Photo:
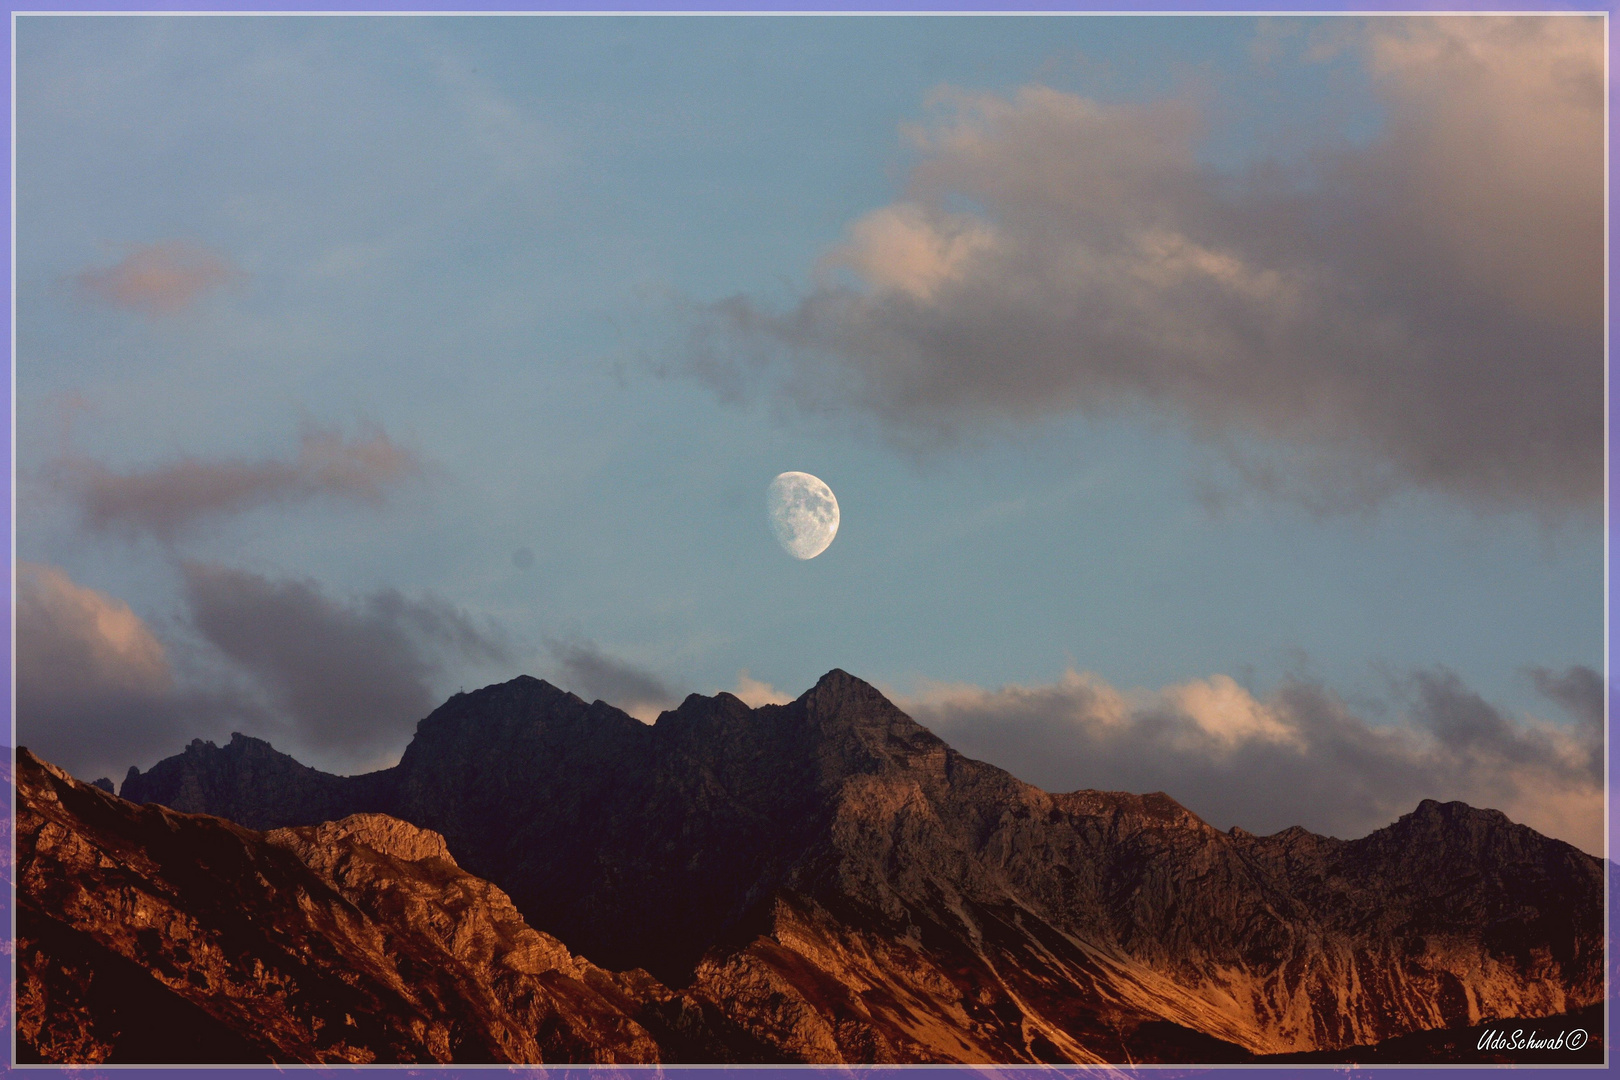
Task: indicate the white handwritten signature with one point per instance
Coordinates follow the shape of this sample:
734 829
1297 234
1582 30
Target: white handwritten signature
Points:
1570 1039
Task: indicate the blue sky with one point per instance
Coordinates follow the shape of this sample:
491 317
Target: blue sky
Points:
512 320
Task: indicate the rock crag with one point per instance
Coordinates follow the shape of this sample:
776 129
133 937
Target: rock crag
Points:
148 935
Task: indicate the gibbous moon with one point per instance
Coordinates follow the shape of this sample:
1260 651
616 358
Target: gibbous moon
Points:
804 514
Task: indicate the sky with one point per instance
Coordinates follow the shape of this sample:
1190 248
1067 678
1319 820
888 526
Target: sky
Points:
1214 405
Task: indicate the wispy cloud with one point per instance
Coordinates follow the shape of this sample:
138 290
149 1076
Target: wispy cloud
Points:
1300 756
164 278
1578 690
593 674
1424 311
168 499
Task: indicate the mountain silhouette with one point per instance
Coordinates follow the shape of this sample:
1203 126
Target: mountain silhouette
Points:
826 881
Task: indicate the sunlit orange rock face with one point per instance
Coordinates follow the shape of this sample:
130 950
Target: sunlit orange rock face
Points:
820 881
150 935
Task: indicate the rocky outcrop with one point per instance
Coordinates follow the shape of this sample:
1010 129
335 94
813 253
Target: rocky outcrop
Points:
404 876
148 935
840 884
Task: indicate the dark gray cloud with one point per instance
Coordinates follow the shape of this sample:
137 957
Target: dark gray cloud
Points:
1423 311
162 278
1298 757
593 674
349 677
1578 690
1463 721
96 689
165 500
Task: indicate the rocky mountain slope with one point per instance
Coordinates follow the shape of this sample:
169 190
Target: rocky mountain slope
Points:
840 884
146 935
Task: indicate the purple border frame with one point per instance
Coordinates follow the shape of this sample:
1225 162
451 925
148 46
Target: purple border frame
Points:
1611 521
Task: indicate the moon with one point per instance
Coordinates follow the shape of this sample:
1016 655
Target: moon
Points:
804 514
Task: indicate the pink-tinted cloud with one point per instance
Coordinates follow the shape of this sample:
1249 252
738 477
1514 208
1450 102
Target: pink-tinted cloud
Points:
165 500
340 677
1421 311
94 684
163 278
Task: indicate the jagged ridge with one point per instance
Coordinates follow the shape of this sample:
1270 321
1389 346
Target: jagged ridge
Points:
848 887
146 935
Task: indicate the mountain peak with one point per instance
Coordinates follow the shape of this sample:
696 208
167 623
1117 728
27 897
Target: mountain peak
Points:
502 712
839 692
709 847
839 680
1454 812
698 710
248 781
526 685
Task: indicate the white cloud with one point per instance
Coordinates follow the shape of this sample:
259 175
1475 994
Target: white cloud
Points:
754 693
1227 715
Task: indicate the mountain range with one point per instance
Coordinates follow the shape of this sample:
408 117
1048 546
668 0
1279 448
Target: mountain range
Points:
546 879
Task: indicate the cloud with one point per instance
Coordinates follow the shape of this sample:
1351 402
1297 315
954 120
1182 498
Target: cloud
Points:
169 499
1298 757
754 693
911 250
593 675
1424 311
349 677
1577 690
338 681
158 279
1462 720
95 687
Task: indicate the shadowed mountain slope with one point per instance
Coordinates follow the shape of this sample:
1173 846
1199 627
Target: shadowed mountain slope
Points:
845 886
